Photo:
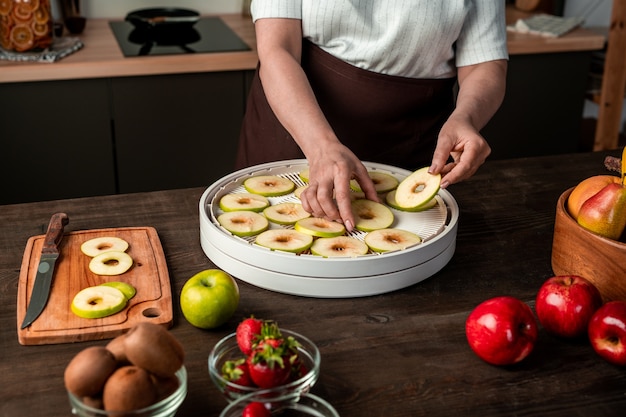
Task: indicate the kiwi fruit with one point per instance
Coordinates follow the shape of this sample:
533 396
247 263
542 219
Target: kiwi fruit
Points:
116 347
153 348
165 386
129 388
88 371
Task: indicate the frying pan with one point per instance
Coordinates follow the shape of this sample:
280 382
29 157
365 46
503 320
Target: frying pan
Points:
163 17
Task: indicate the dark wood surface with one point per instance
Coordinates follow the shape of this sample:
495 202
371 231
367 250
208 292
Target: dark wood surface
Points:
398 354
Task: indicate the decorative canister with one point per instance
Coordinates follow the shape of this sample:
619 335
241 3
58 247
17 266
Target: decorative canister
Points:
25 25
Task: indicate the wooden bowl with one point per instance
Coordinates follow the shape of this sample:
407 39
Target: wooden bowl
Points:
577 251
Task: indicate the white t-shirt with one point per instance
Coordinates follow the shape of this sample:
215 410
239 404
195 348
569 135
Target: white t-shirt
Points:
409 38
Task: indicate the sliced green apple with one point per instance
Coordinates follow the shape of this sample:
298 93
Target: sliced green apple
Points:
286 213
110 263
370 215
385 240
98 245
390 199
298 191
304 175
98 301
383 182
243 223
128 290
417 189
244 201
338 246
269 185
287 240
319 227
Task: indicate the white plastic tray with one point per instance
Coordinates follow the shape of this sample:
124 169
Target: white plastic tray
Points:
314 276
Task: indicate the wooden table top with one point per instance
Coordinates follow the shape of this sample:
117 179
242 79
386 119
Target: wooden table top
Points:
399 354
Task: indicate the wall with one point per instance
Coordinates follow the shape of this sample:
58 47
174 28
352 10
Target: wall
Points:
119 8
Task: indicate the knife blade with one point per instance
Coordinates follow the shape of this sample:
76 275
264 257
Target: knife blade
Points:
45 270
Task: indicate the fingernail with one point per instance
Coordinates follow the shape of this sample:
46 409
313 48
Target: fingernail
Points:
348 225
432 168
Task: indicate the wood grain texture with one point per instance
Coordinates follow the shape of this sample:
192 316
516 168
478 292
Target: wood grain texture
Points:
58 324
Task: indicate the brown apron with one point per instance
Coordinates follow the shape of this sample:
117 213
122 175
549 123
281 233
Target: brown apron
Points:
381 118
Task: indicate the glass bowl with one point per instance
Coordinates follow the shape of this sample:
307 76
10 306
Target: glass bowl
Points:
292 405
167 407
227 349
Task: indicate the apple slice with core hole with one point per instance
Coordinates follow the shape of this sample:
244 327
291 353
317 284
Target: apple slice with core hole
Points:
286 213
243 223
390 199
244 201
98 245
128 290
338 246
110 263
383 182
287 240
370 215
385 240
269 185
417 189
319 227
98 301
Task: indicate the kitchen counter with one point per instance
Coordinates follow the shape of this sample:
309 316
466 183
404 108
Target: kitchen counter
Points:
397 354
101 56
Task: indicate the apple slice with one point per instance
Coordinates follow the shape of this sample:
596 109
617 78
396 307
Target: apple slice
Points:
319 227
243 201
286 213
385 240
370 215
128 290
304 175
269 185
417 189
390 199
383 182
298 191
98 245
110 263
287 240
243 223
338 246
98 301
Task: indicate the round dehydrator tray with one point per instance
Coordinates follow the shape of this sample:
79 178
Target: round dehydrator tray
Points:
315 276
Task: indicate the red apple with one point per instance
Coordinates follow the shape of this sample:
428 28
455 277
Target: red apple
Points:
501 330
565 304
607 332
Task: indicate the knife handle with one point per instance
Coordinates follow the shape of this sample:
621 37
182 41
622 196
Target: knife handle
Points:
54 233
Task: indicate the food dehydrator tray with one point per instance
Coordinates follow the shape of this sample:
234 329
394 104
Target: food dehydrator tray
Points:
314 276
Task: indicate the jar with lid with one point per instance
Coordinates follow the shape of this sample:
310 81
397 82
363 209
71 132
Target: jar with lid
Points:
25 25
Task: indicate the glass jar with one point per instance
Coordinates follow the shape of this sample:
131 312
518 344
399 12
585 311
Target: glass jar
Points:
25 25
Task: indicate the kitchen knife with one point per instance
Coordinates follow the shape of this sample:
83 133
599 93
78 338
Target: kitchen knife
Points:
45 270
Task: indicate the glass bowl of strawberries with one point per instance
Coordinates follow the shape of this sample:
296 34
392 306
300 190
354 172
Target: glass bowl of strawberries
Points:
258 405
262 356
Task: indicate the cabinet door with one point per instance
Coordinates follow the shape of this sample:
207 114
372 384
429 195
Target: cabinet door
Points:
176 131
55 141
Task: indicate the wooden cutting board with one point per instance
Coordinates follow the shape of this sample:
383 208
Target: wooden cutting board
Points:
57 323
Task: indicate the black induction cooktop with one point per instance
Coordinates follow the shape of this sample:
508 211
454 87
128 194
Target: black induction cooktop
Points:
208 34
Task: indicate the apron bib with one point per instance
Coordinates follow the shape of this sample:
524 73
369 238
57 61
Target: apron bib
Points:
381 118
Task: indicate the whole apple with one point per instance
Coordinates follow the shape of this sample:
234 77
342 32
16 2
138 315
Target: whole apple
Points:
607 332
565 304
209 298
501 330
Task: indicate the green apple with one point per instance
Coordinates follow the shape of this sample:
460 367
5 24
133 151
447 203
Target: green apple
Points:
390 199
243 201
338 246
98 301
370 215
269 185
286 213
298 191
383 182
110 263
128 290
209 298
243 223
319 227
385 240
287 240
98 245
417 189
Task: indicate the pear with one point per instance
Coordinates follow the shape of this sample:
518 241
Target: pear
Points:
605 212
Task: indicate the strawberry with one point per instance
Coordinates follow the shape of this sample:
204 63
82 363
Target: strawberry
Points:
272 358
247 332
237 372
256 409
